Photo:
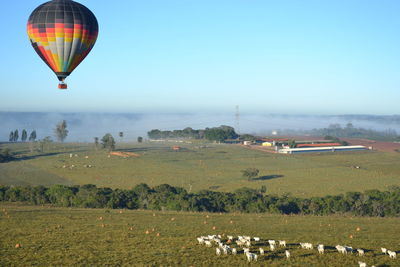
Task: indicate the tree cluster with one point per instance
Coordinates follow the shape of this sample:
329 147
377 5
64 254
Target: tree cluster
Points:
185 133
166 197
218 134
14 136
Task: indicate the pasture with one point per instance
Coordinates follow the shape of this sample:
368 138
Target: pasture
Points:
90 237
202 166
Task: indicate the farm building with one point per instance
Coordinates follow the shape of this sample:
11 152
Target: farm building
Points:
267 144
321 149
317 145
272 141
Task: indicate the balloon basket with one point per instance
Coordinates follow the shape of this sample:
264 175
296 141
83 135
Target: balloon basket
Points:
62 86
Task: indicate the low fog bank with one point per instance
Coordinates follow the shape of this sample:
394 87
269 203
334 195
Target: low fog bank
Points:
83 127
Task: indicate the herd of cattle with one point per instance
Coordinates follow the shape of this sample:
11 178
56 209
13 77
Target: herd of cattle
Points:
244 245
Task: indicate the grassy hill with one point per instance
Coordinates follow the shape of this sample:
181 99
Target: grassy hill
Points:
202 166
92 237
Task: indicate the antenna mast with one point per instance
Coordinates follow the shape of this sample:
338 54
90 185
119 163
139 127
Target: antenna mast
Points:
237 117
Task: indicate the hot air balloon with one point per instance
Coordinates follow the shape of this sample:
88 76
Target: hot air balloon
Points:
62 32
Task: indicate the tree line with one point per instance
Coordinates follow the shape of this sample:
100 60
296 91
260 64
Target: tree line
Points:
219 134
14 136
246 200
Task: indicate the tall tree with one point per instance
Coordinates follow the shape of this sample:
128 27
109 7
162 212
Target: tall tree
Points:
96 142
16 136
61 131
250 173
121 135
11 137
108 142
32 136
24 135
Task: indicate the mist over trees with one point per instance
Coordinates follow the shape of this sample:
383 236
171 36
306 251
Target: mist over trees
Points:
336 130
108 142
32 136
61 131
15 136
24 135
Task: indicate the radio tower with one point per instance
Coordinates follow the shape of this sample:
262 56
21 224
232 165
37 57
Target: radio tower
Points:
237 117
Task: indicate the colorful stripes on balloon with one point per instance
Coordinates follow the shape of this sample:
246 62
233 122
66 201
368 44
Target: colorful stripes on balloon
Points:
62 32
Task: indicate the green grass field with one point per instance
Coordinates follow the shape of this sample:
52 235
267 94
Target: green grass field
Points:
203 166
92 237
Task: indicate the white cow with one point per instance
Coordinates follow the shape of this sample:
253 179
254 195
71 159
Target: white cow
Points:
362 264
239 243
272 247
349 249
226 250
217 251
208 243
287 253
272 242
384 250
360 252
261 251
234 251
257 239
306 245
251 257
282 243
321 249
392 254
341 249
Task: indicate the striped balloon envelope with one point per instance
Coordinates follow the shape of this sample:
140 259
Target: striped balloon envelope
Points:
62 32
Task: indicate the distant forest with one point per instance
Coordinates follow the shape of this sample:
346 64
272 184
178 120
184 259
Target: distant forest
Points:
352 132
246 200
347 131
223 132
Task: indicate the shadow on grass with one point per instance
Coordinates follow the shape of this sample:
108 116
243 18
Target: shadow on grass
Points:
273 256
267 177
306 255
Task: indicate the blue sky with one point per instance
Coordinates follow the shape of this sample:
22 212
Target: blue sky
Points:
308 57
